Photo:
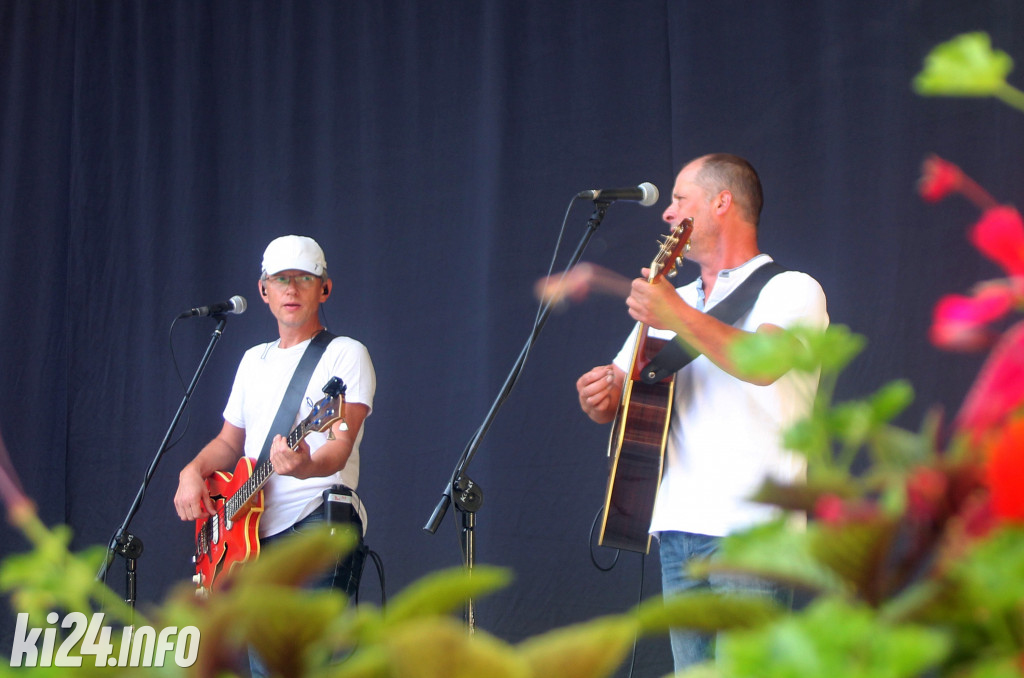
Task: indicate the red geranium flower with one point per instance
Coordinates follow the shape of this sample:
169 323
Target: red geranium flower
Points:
1004 472
960 323
829 509
999 389
939 178
999 235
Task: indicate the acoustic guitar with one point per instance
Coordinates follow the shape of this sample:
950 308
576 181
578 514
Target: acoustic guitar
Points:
636 448
230 536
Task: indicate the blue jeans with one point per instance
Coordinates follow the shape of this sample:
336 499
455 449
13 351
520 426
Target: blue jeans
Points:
344 577
678 550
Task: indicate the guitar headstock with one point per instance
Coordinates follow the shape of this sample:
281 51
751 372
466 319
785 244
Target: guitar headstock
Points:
325 412
671 250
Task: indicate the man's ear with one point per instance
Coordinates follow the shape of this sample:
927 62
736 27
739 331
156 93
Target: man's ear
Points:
722 202
326 291
262 284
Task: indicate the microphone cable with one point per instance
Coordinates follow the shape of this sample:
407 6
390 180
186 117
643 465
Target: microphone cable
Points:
609 568
170 444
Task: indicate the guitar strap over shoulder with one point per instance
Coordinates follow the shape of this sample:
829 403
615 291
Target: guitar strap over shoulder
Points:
674 356
296 387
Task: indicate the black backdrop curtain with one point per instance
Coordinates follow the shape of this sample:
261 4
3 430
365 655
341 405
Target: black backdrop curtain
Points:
150 150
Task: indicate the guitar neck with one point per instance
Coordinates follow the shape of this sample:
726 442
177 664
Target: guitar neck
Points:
639 350
663 266
324 413
260 475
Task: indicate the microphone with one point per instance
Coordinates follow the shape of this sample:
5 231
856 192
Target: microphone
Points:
646 194
235 304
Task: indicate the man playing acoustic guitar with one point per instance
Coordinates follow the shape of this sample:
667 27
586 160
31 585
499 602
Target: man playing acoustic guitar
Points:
724 427
293 284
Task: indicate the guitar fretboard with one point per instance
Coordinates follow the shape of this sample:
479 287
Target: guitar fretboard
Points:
319 419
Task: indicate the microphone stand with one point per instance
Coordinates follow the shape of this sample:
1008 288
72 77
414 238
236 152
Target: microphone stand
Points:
468 496
123 542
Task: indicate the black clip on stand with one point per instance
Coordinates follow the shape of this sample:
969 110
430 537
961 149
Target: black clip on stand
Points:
125 543
468 496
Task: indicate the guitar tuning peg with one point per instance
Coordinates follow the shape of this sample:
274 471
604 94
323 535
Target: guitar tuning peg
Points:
679 260
671 274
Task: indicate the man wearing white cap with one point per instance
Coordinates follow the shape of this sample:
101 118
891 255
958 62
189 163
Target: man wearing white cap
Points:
293 284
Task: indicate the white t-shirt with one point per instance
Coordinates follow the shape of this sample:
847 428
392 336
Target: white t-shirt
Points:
260 382
725 434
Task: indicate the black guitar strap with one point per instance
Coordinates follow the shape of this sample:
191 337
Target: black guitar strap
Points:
296 387
675 356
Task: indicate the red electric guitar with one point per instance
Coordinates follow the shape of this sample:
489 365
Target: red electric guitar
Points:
639 432
230 536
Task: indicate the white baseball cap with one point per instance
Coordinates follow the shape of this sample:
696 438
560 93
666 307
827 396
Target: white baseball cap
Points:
294 252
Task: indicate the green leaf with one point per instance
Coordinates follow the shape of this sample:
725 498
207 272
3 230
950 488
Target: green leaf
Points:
977 598
804 496
891 400
856 551
706 611
263 604
442 592
52 577
777 551
589 650
706 670
288 625
1004 667
856 421
992 571
894 448
766 352
834 348
434 648
965 66
800 348
832 638
853 423
298 558
810 437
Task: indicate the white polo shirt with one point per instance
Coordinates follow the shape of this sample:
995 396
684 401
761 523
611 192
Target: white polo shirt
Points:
725 434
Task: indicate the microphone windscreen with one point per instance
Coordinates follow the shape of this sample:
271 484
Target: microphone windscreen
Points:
650 192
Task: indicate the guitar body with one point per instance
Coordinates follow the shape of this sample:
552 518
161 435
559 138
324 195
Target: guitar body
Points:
222 542
637 457
640 430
